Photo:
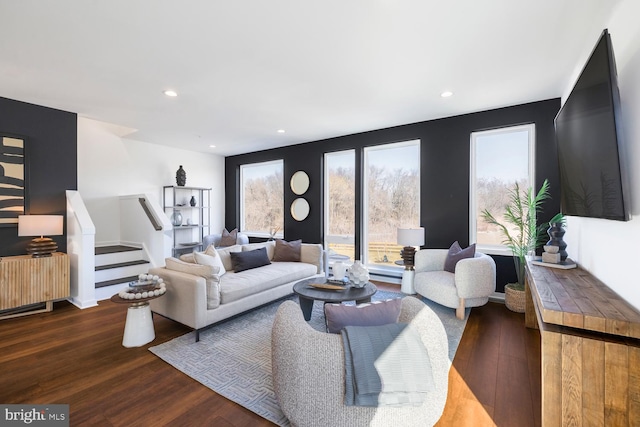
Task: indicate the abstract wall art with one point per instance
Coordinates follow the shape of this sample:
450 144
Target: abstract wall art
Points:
12 179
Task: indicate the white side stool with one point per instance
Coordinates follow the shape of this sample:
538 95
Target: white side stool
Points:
138 328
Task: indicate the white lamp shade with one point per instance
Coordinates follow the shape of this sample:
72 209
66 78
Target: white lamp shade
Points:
40 225
411 236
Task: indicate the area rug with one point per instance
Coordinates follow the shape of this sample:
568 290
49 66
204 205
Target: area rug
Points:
234 358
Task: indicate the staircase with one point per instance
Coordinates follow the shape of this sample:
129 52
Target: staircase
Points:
116 266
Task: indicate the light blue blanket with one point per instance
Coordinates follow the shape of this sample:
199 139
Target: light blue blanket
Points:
385 366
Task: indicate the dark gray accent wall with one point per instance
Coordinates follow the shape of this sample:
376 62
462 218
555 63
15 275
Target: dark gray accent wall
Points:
52 157
444 188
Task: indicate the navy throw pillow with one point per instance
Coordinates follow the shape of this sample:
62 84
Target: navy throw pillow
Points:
250 259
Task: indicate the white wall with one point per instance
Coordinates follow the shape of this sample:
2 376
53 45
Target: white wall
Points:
611 249
110 166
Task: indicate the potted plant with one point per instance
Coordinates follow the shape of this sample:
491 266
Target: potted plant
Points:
522 235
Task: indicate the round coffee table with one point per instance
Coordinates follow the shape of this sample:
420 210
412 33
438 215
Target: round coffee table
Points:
308 294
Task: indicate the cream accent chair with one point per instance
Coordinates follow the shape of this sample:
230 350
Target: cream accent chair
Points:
308 372
470 286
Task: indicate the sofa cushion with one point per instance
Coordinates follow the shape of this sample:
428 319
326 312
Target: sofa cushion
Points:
234 286
270 245
213 260
208 272
225 255
455 254
242 261
190 258
376 313
287 251
229 238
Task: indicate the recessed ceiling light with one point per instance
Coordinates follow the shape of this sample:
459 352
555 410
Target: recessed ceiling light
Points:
446 94
280 130
212 146
171 93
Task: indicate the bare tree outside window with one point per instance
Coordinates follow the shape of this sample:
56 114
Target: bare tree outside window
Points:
262 198
340 202
499 159
392 198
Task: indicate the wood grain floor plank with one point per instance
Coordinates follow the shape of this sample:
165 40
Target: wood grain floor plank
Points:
76 357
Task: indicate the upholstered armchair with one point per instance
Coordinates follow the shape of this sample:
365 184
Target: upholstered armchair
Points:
308 372
470 286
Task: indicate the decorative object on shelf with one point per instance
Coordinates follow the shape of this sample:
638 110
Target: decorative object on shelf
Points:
556 232
193 201
521 212
40 225
409 238
181 177
300 209
176 218
358 275
147 286
299 183
551 254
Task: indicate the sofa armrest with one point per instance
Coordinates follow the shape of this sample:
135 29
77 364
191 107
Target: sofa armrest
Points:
430 259
185 300
476 277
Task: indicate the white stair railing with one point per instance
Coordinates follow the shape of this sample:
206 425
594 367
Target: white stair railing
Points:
81 250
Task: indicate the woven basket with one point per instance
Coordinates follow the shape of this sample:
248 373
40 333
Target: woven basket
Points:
514 299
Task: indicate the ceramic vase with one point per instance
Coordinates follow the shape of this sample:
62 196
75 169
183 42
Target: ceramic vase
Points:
193 202
181 177
176 218
358 275
556 232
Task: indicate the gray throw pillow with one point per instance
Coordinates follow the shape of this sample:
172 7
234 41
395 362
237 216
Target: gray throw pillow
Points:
251 259
375 313
456 253
287 251
229 238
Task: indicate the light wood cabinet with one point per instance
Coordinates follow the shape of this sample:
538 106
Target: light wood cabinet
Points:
25 280
590 343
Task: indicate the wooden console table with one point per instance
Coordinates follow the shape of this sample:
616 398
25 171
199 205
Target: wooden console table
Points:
25 280
590 340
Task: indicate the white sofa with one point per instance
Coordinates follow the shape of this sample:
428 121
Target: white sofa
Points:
471 285
199 302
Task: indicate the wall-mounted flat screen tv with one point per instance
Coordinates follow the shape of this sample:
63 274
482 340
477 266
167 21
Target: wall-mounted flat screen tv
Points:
588 133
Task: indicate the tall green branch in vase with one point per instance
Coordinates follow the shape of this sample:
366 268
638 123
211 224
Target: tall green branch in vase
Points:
524 235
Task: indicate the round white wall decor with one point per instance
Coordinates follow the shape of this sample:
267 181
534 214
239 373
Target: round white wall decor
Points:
300 182
299 209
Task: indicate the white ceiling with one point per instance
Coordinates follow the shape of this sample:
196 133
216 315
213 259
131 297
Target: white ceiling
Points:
318 69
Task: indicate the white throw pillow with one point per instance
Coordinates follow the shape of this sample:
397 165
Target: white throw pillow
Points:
226 258
212 260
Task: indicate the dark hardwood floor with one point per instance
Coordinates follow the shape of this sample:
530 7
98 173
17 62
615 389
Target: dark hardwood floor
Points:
75 357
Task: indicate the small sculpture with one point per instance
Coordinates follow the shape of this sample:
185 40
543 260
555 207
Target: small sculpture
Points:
358 275
181 177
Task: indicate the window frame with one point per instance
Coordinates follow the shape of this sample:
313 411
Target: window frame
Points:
364 238
254 233
327 237
530 127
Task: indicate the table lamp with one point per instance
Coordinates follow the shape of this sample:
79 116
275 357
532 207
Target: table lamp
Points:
409 238
40 225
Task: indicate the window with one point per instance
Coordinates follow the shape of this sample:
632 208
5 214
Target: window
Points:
499 159
340 202
262 199
391 194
